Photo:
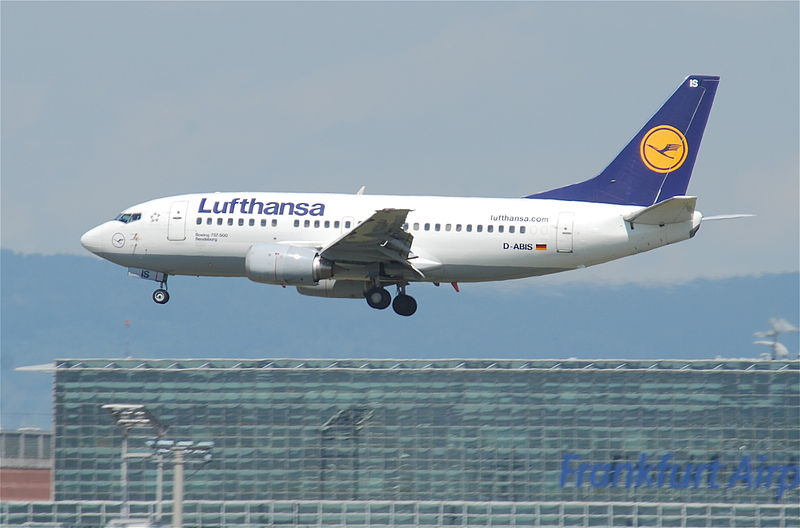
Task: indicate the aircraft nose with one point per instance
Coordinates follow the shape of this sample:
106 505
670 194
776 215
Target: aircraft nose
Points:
91 240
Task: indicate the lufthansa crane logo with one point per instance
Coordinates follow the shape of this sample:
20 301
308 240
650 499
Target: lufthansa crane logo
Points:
118 240
663 149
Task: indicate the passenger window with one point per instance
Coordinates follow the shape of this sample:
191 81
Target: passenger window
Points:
327 224
263 222
438 227
219 221
458 227
489 228
199 221
241 221
522 230
510 229
316 223
499 229
297 223
230 221
405 227
478 228
251 222
427 227
336 224
447 227
469 228
347 225
274 222
208 221
416 226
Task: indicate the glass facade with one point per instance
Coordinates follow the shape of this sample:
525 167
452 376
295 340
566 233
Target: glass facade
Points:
685 432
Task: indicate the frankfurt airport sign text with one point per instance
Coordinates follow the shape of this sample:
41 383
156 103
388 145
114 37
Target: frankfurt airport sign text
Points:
664 472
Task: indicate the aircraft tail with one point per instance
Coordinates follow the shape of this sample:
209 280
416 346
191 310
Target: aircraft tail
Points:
657 164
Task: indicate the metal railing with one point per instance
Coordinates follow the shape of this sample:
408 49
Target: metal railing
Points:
238 514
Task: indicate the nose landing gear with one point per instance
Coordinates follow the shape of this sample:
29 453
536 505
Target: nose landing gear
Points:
161 295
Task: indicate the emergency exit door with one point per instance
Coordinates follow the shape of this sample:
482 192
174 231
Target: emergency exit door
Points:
564 238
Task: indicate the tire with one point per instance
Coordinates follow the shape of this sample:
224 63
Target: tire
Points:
404 305
161 296
378 298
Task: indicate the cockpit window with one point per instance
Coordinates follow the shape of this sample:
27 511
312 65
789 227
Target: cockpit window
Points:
127 218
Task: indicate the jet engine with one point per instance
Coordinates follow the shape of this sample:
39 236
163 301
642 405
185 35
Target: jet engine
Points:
339 289
286 265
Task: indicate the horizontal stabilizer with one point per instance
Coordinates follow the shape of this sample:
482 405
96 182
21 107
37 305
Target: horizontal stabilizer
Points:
672 211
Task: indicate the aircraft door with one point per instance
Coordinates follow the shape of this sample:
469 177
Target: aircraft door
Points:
176 228
564 237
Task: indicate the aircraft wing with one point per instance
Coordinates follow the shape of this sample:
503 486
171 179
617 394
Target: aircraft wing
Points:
379 238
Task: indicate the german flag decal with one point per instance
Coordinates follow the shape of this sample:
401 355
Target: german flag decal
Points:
541 247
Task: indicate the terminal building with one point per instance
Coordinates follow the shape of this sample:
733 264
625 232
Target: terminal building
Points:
26 462
435 442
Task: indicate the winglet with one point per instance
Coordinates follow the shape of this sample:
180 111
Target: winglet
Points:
361 190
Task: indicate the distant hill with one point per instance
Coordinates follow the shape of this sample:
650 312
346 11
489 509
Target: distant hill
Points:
70 306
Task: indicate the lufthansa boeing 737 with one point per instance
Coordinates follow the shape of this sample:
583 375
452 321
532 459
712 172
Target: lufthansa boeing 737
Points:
356 245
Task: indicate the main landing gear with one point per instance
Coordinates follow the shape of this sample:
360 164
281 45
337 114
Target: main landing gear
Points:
161 295
379 298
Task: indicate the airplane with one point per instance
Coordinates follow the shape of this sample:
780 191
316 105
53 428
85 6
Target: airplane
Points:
358 245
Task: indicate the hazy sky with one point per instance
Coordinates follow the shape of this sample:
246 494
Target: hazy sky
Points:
108 104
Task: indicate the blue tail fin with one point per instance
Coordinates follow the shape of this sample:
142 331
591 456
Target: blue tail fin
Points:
657 163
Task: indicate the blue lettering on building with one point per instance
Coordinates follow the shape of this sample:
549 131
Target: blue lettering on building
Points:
664 471
253 206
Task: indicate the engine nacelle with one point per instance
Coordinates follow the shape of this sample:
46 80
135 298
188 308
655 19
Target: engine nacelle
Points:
339 289
285 265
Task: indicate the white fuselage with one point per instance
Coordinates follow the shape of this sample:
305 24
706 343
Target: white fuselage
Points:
454 239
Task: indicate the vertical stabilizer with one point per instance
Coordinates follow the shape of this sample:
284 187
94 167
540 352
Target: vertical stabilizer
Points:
657 163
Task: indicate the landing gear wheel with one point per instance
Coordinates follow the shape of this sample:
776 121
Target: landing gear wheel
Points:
378 298
404 305
161 296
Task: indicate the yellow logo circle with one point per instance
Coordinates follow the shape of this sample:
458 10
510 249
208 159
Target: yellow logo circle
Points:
663 149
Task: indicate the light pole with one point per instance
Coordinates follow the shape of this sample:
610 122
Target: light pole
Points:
177 488
182 452
129 416
159 447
